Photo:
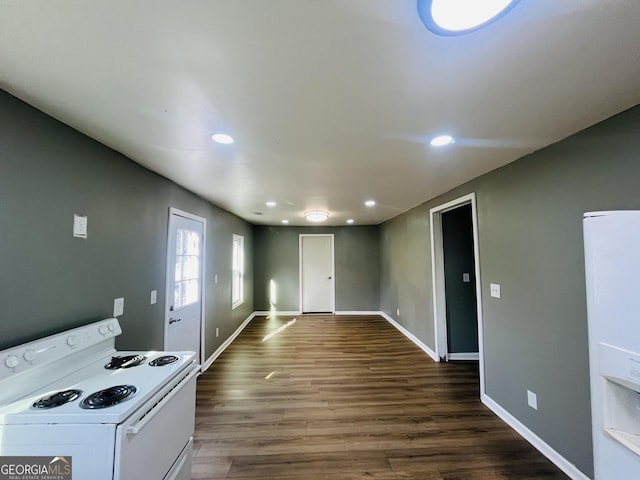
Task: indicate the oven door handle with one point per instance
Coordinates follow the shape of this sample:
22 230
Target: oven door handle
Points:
137 428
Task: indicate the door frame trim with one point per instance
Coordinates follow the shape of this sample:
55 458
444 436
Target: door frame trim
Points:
437 279
333 268
181 213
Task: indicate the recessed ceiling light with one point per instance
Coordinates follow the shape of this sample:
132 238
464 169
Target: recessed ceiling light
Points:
370 203
222 138
316 216
350 221
285 221
457 17
442 141
270 204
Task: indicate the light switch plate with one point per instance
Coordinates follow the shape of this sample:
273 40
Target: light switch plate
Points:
154 297
495 290
532 400
118 307
80 226
466 278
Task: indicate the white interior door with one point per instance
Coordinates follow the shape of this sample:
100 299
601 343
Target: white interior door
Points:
317 292
185 271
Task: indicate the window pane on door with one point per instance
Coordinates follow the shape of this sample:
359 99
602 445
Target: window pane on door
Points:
187 268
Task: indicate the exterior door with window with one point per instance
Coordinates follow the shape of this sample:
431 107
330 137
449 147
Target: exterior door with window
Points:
185 271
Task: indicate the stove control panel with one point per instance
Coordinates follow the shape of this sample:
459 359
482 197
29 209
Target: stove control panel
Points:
56 347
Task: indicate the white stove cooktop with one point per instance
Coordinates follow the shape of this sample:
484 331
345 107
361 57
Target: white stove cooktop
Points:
93 378
76 360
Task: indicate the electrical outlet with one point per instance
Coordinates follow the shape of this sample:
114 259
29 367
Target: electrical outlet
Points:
217 332
532 400
118 307
495 290
154 297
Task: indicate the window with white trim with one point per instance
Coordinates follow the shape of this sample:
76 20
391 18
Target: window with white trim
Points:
237 271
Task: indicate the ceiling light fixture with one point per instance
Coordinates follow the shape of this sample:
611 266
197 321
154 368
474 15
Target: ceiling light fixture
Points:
370 203
350 221
442 141
222 138
316 216
457 17
270 204
285 222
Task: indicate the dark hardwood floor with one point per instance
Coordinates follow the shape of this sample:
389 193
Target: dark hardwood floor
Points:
348 397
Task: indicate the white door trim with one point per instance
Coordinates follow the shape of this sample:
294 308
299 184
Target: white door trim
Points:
174 211
437 278
333 272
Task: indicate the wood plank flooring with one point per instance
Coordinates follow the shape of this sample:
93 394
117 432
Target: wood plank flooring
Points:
344 398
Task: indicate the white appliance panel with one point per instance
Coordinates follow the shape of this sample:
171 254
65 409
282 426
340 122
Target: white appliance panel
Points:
161 427
91 447
181 469
612 267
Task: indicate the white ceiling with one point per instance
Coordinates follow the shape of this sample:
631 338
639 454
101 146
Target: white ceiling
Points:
331 102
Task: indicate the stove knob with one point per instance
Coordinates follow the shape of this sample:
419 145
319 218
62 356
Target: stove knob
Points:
72 340
103 330
29 355
112 327
12 361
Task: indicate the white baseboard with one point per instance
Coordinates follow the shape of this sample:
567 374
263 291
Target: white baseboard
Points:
464 356
410 336
206 365
266 313
562 463
356 312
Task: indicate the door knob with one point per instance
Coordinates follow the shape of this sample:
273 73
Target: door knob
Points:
174 320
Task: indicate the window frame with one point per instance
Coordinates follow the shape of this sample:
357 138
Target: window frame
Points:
237 271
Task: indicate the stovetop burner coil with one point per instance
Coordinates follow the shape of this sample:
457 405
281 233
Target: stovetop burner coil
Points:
126 361
57 399
108 397
163 360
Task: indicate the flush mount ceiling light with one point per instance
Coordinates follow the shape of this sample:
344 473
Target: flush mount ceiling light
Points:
457 17
350 221
222 138
284 222
370 203
441 140
270 204
316 216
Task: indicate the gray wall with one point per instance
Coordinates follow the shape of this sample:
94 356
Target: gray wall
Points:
530 240
357 266
50 281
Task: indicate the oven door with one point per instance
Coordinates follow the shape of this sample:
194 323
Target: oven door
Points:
151 441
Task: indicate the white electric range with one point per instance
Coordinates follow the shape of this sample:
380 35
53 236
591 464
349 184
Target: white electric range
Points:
113 415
